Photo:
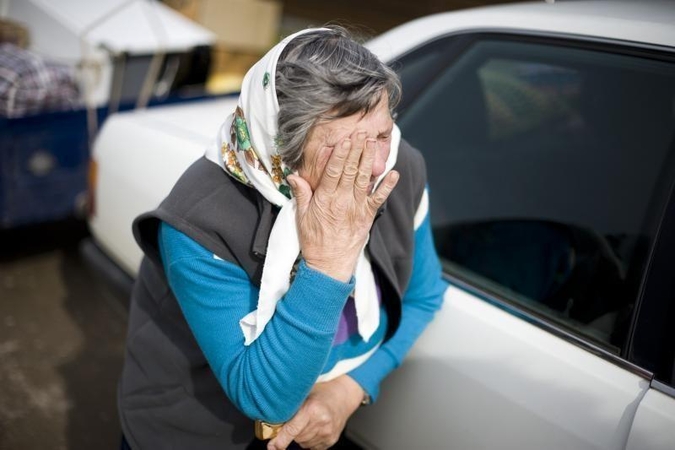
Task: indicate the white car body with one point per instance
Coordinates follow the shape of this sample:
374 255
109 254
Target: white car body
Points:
481 376
139 156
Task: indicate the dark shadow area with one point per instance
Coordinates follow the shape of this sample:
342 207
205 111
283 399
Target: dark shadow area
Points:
91 375
31 240
62 334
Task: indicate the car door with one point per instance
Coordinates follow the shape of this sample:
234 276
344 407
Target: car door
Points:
547 164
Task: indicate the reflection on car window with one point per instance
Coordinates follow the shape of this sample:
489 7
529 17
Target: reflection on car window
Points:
522 96
548 169
418 68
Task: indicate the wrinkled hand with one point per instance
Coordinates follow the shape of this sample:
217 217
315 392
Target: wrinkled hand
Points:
322 417
335 219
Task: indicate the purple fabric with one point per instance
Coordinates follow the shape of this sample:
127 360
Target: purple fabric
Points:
348 325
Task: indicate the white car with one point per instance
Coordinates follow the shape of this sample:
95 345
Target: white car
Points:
549 135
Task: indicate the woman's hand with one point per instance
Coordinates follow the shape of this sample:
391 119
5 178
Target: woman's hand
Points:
335 219
322 417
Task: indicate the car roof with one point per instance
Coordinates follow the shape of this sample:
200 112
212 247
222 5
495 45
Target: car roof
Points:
646 22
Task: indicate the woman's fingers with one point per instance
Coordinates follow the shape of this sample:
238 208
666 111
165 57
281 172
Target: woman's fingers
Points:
352 163
362 182
350 166
302 192
377 199
333 171
289 431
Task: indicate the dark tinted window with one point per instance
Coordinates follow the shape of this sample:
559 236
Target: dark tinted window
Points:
547 169
420 67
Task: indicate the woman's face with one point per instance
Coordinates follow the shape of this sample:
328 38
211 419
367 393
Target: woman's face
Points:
323 138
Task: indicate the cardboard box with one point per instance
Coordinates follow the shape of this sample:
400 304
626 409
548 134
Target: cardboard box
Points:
225 60
250 26
188 8
228 69
13 32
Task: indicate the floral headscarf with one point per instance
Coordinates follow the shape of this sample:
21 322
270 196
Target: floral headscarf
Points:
246 149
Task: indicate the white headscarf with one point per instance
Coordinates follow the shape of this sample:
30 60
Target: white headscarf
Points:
246 149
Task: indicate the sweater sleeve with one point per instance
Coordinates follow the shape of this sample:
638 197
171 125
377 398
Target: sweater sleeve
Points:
420 302
270 378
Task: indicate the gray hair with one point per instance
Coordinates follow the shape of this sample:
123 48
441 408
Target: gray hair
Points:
325 75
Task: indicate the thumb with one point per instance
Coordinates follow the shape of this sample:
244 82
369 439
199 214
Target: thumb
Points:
289 431
302 192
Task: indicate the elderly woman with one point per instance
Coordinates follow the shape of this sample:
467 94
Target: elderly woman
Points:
290 269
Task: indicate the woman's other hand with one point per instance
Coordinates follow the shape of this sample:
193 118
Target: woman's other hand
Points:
334 220
322 417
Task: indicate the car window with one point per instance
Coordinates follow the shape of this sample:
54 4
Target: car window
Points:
546 172
418 68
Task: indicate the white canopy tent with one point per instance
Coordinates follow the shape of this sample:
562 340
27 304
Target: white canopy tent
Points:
88 35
